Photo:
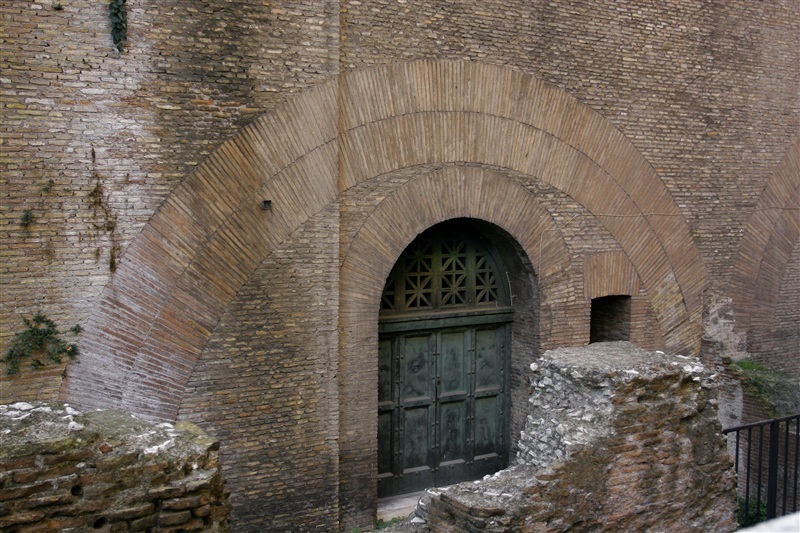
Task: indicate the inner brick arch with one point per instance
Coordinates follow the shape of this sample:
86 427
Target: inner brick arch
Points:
156 316
475 193
448 193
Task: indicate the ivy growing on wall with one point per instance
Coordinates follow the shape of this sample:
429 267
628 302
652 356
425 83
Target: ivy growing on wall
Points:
119 23
40 339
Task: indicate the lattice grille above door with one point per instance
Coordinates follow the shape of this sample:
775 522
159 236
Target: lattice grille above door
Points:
438 272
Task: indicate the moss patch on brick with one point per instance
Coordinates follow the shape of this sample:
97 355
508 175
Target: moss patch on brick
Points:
777 390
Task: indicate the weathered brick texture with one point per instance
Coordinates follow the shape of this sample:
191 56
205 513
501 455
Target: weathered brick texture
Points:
265 383
93 141
690 83
61 469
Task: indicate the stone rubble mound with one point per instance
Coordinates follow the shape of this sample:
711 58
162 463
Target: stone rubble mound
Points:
616 439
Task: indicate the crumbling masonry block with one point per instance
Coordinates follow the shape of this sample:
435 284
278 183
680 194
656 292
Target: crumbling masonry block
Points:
616 439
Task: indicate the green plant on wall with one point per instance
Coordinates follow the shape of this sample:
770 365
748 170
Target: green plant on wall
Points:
40 339
752 514
26 220
119 23
382 524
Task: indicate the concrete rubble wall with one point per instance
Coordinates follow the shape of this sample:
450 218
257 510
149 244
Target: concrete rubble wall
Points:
61 469
617 439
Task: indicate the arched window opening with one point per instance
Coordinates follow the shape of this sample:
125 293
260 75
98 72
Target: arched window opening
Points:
611 319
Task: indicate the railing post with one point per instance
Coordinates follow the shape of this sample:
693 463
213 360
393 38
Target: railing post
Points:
772 469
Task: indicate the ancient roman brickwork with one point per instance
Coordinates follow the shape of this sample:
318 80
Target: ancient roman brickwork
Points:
685 111
63 470
613 147
94 140
765 267
781 346
678 80
259 396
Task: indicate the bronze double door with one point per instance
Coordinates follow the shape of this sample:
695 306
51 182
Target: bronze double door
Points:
442 402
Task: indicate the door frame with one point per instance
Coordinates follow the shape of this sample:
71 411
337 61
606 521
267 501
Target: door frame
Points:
414 305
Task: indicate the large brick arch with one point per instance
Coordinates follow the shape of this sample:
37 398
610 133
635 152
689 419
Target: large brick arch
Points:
175 281
769 240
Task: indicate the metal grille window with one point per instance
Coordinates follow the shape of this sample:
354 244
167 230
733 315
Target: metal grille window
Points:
439 273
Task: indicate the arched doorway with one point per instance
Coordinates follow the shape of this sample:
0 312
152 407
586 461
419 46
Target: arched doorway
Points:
443 364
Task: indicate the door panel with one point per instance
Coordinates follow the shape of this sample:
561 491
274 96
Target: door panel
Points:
384 444
442 406
489 437
490 402
416 438
453 371
487 429
385 371
387 422
416 378
453 364
414 454
452 432
488 377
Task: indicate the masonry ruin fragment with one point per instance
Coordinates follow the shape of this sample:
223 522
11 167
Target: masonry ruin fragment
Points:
616 439
65 470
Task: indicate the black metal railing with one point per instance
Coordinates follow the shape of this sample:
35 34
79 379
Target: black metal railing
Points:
766 461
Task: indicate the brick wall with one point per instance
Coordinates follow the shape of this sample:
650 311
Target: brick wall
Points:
691 84
644 131
766 265
115 133
782 347
265 387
